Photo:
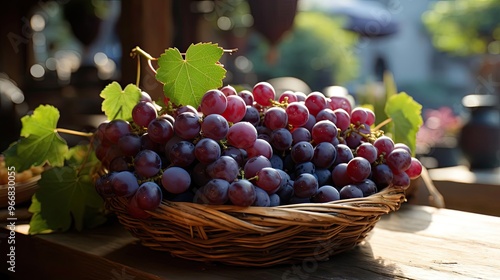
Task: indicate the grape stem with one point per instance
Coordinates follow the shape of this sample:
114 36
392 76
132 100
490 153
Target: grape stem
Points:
380 125
74 132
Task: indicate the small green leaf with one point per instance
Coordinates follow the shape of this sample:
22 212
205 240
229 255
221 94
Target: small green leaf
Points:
187 79
64 198
406 116
118 103
40 143
38 225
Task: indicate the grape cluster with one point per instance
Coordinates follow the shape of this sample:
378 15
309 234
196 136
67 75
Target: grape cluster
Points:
248 149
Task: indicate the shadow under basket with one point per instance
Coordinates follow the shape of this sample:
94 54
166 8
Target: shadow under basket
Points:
258 236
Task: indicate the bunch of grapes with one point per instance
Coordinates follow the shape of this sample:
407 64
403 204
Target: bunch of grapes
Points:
248 149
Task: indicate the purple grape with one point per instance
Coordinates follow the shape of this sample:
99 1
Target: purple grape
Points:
305 185
242 193
124 183
148 196
326 194
175 180
147 163
225 168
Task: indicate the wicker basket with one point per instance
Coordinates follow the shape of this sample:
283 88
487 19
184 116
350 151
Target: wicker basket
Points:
258 236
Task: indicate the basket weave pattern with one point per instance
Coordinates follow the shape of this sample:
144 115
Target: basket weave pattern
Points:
258 236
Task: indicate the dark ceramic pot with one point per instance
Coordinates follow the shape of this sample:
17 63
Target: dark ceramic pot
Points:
480 136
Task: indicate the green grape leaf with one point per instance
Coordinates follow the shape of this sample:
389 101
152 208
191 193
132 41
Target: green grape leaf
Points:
63 200
187 79
39 143
406 116
37 223
118 103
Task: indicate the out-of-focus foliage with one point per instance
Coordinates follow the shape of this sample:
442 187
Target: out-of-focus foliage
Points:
317 51
465 27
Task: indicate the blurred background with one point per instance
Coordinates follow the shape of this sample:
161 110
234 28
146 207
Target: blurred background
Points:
445 54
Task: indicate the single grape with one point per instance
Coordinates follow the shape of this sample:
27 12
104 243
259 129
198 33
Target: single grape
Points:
370 119
315 102
143 113
213 102
274 200
368 187
326 194
281 139
160 130
402 146
247 96
300 134
326 114
252 116
324 131
242 193
264 93
235 110
215 192
324 176
382 175
215 127
384 145
289 96
302 152
268 179
344 154
368 151
286 192
261 198
225 168
175 180
242 135
350 191
187 125
228 90
343 119
297 113
415 169
300 96
185 109
358 169
324 155
207 150
358 116
104 187
182 154
401 180
147 163
275 118
305 185
276 162
260 147
148 196
398 160
124 183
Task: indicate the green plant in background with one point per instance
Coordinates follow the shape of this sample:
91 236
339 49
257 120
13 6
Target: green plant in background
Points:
317 51
465 27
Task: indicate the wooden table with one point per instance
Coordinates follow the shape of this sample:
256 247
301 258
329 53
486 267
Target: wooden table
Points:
416 242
